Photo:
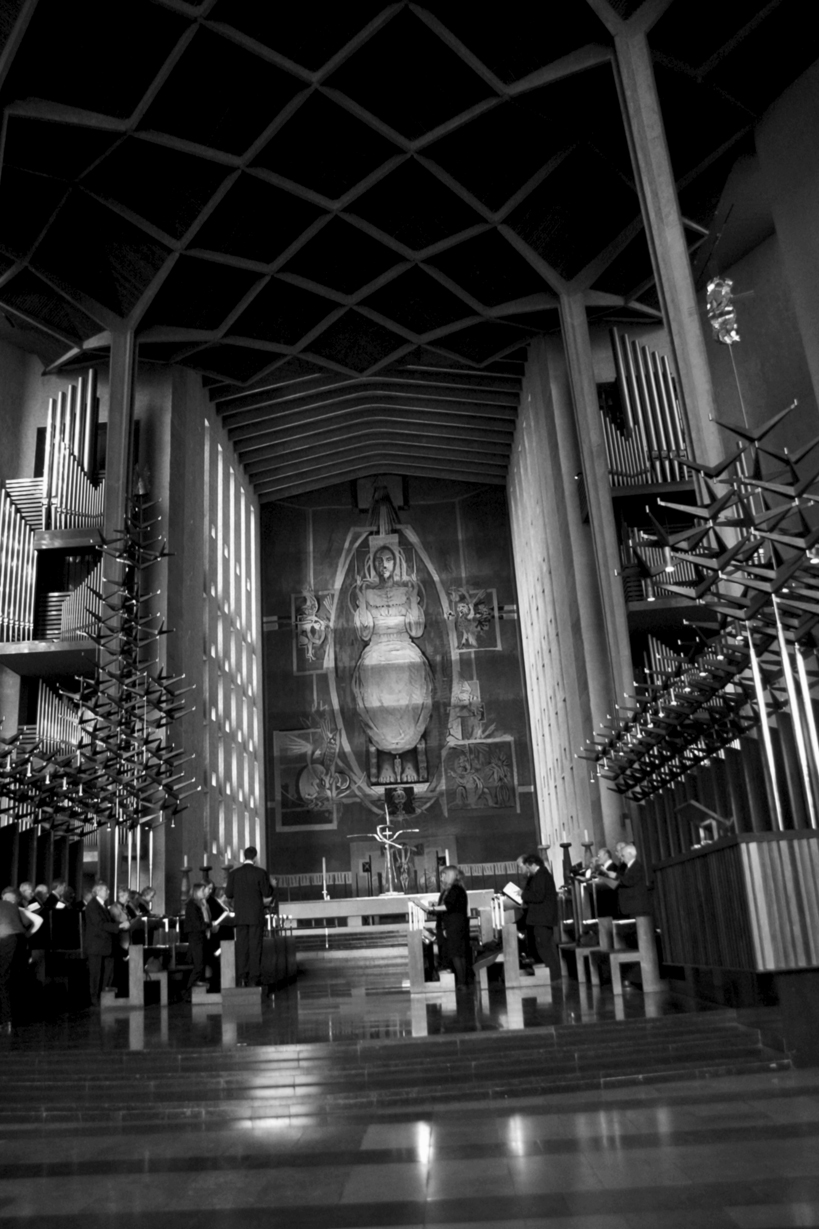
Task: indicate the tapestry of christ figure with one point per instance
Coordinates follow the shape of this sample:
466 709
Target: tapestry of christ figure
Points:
392 681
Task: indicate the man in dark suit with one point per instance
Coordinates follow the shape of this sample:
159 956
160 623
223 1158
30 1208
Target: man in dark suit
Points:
100 929
539 895
633 894
248 889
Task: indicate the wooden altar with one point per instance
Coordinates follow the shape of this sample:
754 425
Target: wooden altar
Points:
352 910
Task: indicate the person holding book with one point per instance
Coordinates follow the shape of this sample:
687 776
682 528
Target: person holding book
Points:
539 895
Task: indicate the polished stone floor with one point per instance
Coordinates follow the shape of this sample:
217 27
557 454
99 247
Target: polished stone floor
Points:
739 1151
346 1001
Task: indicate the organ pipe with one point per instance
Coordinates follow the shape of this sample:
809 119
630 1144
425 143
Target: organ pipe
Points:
16 573
58 728
71 498
83 608
91 412
649 447
67 497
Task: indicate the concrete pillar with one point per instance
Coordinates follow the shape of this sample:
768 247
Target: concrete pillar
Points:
532 473
787 142
573 609
571 679
117 488
598 493
118 459
666 240
601 602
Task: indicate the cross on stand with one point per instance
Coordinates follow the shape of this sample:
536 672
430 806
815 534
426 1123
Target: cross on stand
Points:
387 837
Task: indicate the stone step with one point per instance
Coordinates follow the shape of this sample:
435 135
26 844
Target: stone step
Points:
402 1056
197 1113
307 1069
198 1086
217 1083
283 1088
591 1035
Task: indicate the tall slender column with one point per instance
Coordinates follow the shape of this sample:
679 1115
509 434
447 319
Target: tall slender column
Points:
786 142
118 460
666 239
598 493
574 603
118 467
738 803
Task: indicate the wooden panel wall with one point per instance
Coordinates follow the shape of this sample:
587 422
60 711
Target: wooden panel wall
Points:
746 903
783 890
703 909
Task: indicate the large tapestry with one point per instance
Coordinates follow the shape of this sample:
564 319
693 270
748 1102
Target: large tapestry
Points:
387 629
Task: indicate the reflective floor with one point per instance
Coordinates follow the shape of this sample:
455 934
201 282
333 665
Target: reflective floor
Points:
347 1002
738 1150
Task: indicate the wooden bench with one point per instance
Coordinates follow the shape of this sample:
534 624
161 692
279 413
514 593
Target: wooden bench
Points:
137 979
587 969
645 956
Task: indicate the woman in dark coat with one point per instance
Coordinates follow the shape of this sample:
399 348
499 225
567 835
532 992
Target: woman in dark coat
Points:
220 928
452 915
197 930
122 911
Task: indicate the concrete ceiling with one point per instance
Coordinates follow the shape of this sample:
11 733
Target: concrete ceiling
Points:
353 218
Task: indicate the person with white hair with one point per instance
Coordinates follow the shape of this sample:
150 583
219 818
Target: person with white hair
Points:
633 893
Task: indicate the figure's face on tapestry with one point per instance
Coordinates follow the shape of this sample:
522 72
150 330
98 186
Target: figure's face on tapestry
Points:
384 564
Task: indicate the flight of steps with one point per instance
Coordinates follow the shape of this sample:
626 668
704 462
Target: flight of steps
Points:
348 940
200 1088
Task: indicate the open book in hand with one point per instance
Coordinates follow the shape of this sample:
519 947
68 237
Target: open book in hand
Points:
513 892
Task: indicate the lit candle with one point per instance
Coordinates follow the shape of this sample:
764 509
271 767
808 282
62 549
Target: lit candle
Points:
446 855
